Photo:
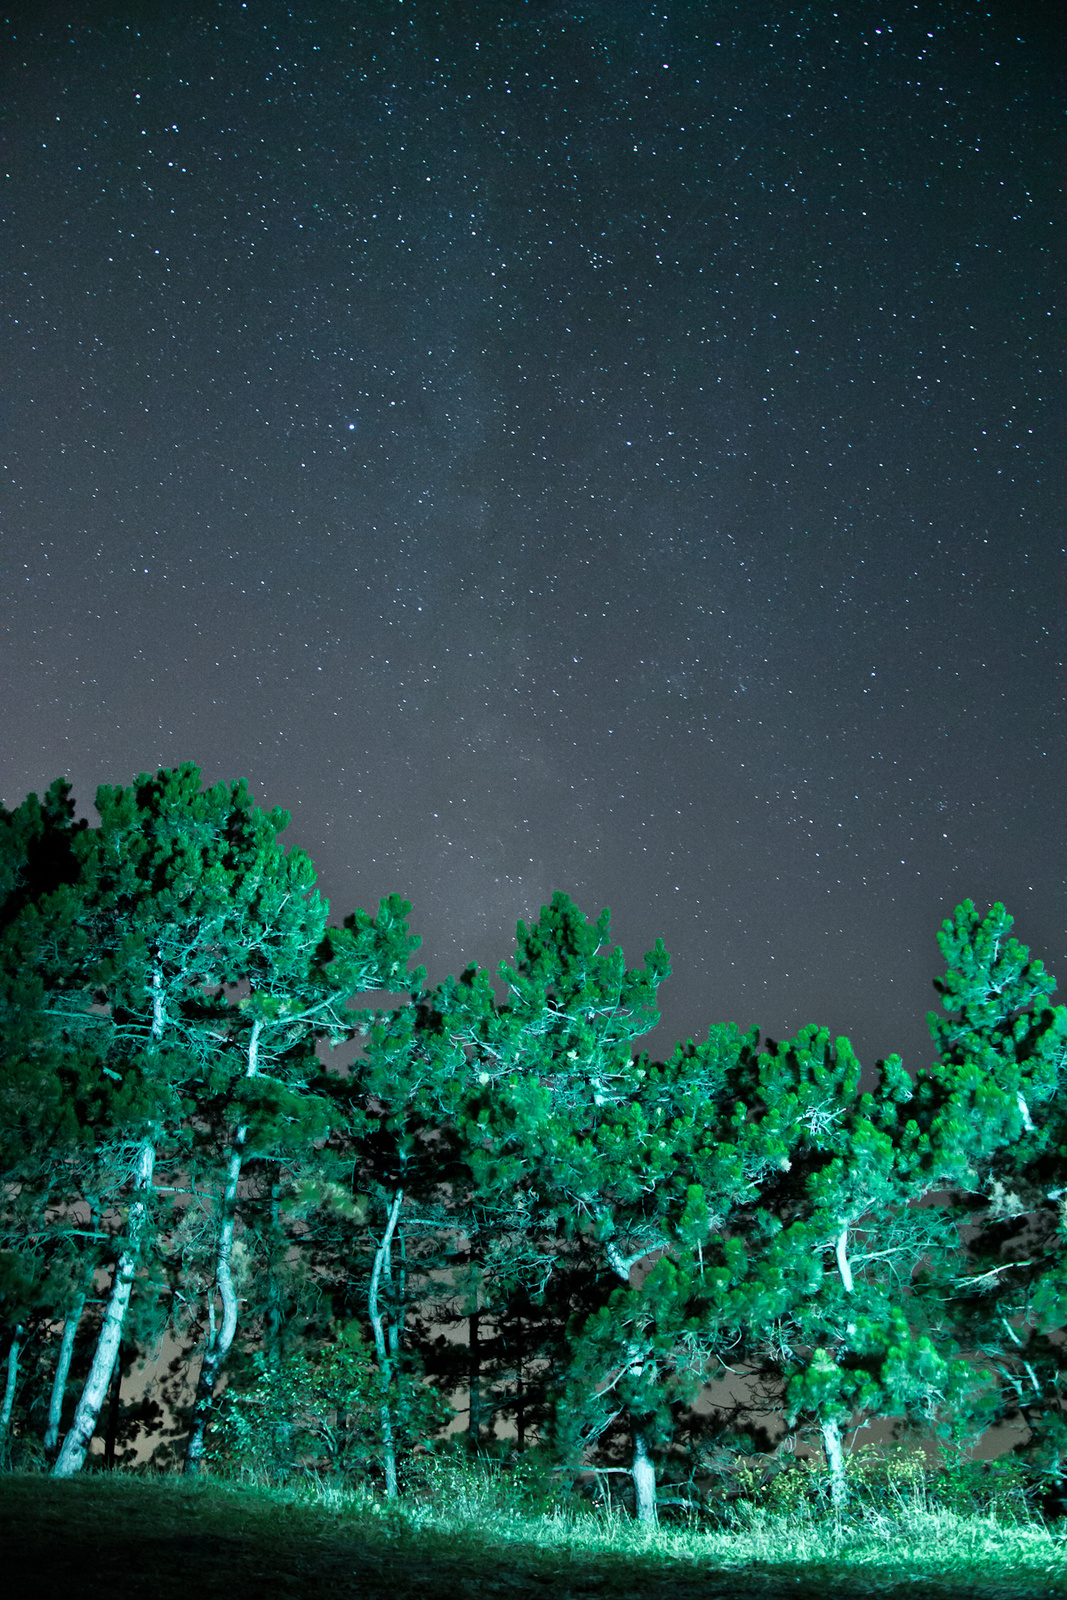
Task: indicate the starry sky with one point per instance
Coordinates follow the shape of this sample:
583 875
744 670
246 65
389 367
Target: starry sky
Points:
600 447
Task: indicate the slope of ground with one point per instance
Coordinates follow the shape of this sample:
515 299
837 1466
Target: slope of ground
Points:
125 1538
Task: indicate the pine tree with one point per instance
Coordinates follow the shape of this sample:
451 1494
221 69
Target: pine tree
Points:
301 976
552 1130
993 1111
824 1270
165 903
59 1107
407 1191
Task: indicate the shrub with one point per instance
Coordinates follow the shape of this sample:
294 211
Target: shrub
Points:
319 1412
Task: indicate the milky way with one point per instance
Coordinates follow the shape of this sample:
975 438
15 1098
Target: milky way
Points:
598 447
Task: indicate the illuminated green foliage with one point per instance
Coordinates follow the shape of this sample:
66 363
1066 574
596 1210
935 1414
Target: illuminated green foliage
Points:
320 1410
611 1233
995 1103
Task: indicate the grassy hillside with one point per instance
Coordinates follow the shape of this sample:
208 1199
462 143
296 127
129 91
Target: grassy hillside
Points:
130 1538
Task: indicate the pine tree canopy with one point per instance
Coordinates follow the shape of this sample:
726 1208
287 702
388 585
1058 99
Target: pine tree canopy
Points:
486 1196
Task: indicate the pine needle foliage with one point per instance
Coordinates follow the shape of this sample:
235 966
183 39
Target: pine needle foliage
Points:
491 1206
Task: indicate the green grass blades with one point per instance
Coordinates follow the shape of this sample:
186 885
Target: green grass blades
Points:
469 1530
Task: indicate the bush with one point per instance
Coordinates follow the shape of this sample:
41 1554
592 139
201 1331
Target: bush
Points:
1000 1488
319 1413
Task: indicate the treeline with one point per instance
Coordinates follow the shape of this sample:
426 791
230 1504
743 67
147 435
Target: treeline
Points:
494 1200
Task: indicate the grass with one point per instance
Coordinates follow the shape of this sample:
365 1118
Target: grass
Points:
136 1538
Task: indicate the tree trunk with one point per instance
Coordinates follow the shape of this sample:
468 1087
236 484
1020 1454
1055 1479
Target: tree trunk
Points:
221 1338
273 1330
71 1457
644 1474
383 1268
520 1391
844 1266
111 1437
14 1351
835 1460
644 1468
474 1385
59 1382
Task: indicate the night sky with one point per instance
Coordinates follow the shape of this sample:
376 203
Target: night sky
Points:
603 447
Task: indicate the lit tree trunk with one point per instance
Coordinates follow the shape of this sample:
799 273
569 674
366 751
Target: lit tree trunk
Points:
844 1266
14 1351
831 1431
59 1382
221 1338
383 1268
835 1460
71 1457
643 1467
644 1474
